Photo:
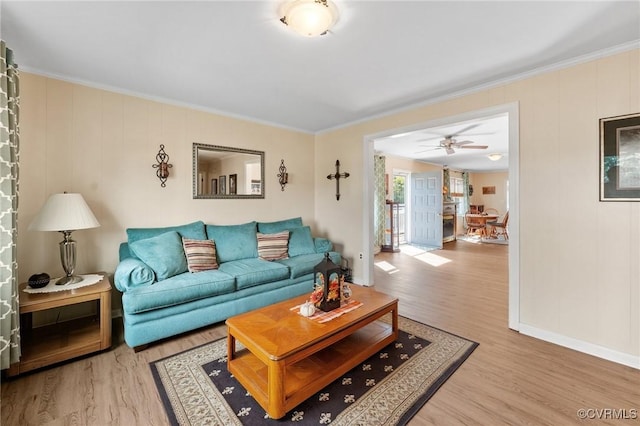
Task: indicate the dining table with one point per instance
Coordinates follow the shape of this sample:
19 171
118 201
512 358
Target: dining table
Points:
483 218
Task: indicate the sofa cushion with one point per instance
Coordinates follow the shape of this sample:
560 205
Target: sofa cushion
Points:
323 245
273 246
280 225
193 230
200 254
177 290
132 272
234 242
163 253
303 264
251 272
301 242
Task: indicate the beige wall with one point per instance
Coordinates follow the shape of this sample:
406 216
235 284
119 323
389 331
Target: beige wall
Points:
103 145
398 164
498 180
579 258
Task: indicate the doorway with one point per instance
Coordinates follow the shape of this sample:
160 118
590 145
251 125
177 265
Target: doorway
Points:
511 111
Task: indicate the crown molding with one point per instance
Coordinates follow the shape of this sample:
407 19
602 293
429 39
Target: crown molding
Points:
429 101
159 99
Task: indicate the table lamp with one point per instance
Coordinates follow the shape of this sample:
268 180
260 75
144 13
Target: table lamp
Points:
65 213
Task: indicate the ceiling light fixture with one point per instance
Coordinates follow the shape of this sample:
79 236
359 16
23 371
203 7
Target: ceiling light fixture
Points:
494 157
309 18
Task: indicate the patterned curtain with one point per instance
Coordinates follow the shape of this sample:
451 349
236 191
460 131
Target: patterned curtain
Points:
379 200
9 142
467 196
446 184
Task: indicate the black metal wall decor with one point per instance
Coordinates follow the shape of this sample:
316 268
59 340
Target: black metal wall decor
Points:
283 176
337 176
163 166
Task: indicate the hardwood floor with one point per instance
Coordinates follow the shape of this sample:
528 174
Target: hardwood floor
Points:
510 379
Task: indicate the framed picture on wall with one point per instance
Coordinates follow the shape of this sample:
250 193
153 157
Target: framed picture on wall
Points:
620 158
214 186
488 190
233 180
222 181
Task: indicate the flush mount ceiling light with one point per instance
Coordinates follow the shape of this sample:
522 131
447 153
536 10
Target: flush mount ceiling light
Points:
494 157
309 18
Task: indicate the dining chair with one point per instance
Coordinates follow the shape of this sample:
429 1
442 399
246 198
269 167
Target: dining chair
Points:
474 225
500 228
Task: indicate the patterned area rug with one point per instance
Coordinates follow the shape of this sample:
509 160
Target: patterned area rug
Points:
388 388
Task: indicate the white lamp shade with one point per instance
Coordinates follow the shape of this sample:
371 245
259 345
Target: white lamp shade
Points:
308 17
64 212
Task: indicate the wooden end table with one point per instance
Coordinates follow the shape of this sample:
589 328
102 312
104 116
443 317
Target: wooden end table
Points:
50 344
290 357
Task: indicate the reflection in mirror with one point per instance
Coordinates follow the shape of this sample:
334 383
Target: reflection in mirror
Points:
225 172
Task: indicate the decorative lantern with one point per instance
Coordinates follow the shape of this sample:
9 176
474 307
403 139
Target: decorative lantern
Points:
327 284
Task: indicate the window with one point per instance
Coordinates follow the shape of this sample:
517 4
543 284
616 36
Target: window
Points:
398 188
456 187
456 192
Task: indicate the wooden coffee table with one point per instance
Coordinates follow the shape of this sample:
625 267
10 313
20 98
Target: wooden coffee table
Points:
289 357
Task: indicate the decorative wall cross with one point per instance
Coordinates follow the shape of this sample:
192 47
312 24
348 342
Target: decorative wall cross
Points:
337 177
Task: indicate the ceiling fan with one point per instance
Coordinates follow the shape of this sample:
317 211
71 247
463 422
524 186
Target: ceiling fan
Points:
449 143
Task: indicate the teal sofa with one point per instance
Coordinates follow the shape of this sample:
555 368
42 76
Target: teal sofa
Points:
161 298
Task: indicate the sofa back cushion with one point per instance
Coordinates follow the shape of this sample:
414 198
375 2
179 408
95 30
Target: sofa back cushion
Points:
279 226
234 242
193 230
301 241
162 253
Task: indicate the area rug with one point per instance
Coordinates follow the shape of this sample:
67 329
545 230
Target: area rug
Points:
387 389
476 239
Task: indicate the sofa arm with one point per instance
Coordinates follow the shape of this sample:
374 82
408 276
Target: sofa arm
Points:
132 273
322 245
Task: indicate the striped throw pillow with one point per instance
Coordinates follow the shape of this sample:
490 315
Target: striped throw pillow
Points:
201 254
273 246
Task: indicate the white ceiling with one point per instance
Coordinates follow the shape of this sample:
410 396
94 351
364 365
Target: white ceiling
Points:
236 58
422 145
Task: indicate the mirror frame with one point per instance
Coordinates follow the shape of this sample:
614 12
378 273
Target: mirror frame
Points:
218 148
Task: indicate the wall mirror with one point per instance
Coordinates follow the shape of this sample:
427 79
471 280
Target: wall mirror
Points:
225 172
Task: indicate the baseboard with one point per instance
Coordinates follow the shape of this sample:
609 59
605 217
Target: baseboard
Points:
582 346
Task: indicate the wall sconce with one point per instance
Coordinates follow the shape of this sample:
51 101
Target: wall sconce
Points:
283 176
163 166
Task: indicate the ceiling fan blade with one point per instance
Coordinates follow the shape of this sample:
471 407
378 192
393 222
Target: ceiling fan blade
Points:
478 134
427 150
462 143
429 139
474 147
461 131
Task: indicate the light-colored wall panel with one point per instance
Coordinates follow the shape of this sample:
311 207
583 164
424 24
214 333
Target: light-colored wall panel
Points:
578 257
579 273
103 145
